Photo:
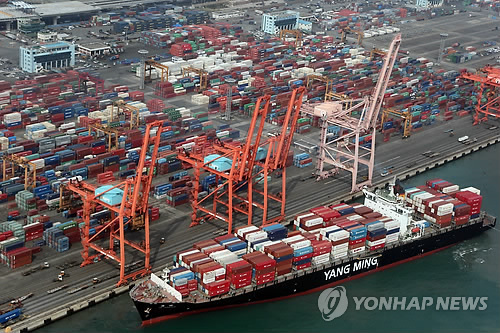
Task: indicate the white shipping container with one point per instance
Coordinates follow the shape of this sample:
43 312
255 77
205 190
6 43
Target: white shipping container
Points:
313 222
241 231
450 189
339 256
357 250
338 235
340 247
300 245
293 239
188 253
255 236
472 189
377 242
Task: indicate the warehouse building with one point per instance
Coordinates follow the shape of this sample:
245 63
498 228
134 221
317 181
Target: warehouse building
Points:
272 23
33 59
94 49
304 26
426 4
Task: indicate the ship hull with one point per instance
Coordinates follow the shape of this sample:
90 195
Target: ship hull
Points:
300 284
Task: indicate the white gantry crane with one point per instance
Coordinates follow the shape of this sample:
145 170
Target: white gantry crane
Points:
352 120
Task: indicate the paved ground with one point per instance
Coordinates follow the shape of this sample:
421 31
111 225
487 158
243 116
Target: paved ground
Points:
422 38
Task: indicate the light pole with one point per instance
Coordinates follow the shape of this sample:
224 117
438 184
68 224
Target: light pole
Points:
142 69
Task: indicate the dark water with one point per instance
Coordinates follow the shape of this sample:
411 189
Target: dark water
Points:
468 269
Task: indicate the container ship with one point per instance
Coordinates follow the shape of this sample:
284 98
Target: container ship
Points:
329 245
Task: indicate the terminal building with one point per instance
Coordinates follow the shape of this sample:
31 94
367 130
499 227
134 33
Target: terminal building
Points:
33 59
272 23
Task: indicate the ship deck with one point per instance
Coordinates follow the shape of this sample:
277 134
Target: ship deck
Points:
150 292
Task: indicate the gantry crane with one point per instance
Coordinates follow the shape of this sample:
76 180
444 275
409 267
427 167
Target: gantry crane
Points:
328 84
149 65
297 34
85 77
132 210
488 80
376 51
110 133
133 110
203 75
360 34
21 163
247 165
404 115
345 151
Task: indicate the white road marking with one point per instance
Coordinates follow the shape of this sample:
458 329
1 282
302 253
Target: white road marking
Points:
389 160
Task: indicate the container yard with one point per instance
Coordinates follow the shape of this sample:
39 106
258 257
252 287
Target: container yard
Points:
73 142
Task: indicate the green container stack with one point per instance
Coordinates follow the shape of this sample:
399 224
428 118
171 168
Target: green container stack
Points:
201 119
32 218
248 109
215 82
173 114
67 225
15 227
22 199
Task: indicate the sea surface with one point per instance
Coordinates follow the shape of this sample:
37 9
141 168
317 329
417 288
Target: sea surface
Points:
471 268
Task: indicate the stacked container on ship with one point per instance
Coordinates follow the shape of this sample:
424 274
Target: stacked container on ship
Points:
329 244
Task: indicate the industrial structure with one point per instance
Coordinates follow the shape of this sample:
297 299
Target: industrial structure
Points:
198 72
359 33
404 115
442 42
345 152
128 205
244 167
296 34
85 80
13 163
150 65
488 86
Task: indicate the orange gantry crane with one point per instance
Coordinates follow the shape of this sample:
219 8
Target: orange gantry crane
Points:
131 210
488 79
344 151
246 165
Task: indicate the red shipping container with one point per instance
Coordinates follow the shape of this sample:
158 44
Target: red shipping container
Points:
306 265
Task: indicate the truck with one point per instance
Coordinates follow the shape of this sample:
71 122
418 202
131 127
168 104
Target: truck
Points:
11 315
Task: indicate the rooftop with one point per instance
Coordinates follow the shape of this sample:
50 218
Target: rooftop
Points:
10 14
93 45
48 46
64 7
283 13
44 10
